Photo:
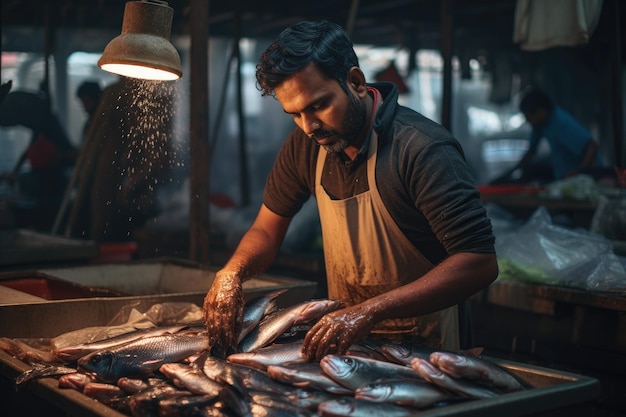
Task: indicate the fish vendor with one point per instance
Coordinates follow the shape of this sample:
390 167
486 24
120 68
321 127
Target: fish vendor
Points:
405 236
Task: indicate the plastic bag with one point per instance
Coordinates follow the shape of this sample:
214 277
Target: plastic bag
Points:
542 252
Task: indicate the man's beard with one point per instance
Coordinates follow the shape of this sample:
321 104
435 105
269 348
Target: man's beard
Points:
352 125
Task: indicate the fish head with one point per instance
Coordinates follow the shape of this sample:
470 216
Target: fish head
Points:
378 391
100 362
339 366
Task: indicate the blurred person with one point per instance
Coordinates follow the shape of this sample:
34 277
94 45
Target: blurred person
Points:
573 149
406 239
50 156
89 94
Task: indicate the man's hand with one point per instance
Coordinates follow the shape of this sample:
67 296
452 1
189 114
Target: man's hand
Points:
337 331
223 312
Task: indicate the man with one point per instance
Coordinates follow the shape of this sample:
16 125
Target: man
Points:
89 94
404 233
572 148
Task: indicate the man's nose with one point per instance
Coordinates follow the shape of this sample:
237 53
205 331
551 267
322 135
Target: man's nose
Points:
310 125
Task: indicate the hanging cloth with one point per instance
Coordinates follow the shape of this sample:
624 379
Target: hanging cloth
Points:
541 24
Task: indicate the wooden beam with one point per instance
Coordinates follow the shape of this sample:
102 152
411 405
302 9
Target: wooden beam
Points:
199 217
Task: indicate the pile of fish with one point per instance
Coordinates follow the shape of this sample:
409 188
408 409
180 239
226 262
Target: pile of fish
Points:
166 371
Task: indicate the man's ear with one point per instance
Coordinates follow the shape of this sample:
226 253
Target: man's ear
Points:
356 81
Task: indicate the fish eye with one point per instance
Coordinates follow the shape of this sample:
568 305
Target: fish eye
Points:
96 358
348 361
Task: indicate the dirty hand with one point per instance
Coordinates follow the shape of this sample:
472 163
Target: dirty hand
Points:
335 332
223 312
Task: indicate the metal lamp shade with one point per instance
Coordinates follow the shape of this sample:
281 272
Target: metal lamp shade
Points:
143 49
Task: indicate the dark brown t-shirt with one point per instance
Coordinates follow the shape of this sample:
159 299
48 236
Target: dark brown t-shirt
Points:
421 174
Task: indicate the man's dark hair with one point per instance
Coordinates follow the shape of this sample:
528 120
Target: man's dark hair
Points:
323 43
534 99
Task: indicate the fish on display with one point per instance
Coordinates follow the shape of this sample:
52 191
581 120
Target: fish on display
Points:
277 323
256 309
275 354
353 372
306 375
475 369
276 410
184 406
407 392
309 398
190 378
275 401
142 357
76 380
402 354
256 379
463 387
352 407
41 371
103 392
73 352
146 402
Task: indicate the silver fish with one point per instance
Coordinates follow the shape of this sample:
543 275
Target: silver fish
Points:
73 352
406 392
353 407
190 378
256 309
143 356
265 410
257 379
146 402
41 371
476 369
306 375
353 372
463 387
309 398
402 354
276 324
275 354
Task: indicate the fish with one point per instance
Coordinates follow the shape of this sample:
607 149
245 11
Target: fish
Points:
463 387
255 379
353 371
41 371
352 407
103 392
73 352
402 354
309 398
476 369
76 380
274 354
146 402
192 379
184 406
275 410
306 375
274 325
142 357
407 392
256 309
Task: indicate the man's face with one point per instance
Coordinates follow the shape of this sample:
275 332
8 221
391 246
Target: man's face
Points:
322 109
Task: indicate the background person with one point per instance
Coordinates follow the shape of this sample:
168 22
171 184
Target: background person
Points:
405 235
573 149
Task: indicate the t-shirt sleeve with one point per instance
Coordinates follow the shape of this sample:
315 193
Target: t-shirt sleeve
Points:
443 189
290 182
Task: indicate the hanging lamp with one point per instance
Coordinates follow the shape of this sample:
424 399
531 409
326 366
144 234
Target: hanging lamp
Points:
143 49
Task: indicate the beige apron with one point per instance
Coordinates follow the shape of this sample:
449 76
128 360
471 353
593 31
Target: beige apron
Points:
367 254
